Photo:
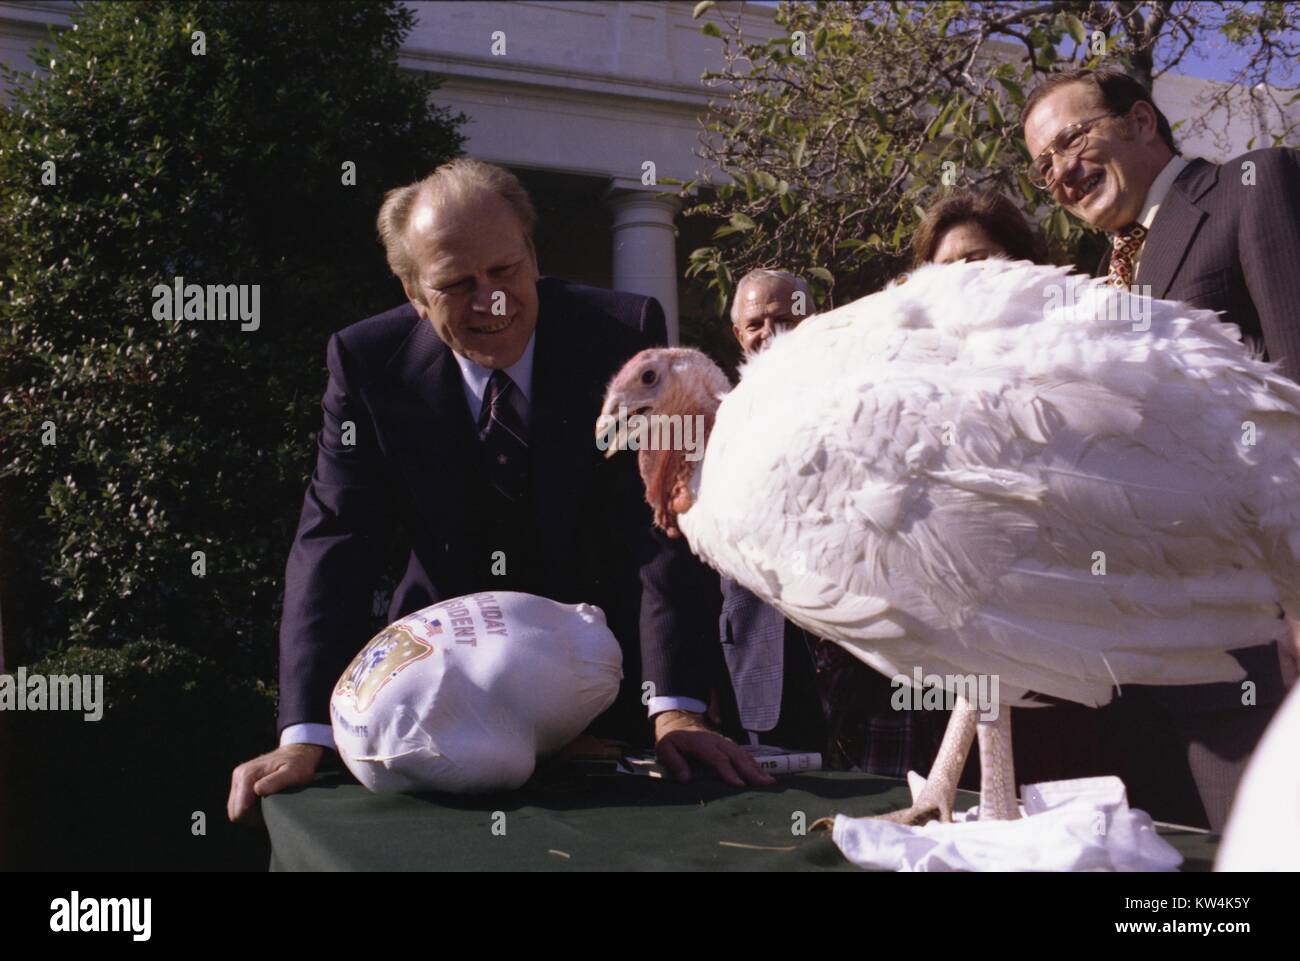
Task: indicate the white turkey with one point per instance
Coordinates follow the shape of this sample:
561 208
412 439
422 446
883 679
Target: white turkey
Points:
992 469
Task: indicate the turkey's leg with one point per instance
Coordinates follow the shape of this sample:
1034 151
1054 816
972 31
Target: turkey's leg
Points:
933 797
997 772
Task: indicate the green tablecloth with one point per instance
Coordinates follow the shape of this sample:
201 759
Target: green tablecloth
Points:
593 822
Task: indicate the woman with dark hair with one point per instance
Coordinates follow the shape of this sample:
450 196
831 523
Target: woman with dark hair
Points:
1063 740
973 225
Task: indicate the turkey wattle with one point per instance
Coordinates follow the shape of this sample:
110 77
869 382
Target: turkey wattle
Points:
996 469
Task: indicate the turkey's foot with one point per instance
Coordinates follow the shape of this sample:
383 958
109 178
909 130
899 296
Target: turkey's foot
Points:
930 802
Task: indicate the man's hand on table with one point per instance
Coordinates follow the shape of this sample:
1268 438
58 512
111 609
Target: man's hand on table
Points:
293 765
683 738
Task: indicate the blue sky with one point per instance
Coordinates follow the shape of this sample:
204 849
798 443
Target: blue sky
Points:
1214 59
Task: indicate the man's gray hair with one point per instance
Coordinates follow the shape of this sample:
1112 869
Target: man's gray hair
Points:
452 181
766 273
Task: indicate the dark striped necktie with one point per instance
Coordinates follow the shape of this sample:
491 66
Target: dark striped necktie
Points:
504 437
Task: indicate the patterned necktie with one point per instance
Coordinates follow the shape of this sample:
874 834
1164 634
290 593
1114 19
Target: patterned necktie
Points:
504 437
1124 247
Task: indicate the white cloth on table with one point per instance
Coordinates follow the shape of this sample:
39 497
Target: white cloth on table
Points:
1081 825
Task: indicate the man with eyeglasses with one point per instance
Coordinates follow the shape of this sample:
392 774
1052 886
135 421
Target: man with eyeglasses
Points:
1224 237
1219 237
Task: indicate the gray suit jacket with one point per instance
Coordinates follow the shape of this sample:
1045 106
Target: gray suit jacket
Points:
1223 244
753 645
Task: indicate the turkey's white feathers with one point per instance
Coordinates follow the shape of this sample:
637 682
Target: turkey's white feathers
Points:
998 468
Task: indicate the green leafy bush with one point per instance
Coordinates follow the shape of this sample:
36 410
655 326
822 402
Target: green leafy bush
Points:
224 165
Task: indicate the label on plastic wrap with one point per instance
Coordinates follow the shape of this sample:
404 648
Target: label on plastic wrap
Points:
465 695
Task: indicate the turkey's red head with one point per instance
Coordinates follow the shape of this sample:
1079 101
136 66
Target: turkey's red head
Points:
662 404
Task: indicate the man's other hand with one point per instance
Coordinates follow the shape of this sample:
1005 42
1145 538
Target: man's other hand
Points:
293 765
682 738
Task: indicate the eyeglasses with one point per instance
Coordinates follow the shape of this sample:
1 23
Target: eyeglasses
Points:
1068 143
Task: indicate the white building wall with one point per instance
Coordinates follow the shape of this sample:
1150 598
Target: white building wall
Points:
599 89
590 87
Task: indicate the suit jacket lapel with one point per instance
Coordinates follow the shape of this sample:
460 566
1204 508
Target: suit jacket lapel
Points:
1174 228
435 432
561 434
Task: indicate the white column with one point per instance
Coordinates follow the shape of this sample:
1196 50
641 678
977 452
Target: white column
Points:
645 245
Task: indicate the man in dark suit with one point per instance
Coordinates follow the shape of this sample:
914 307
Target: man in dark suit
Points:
463 418
787 688
1223 238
